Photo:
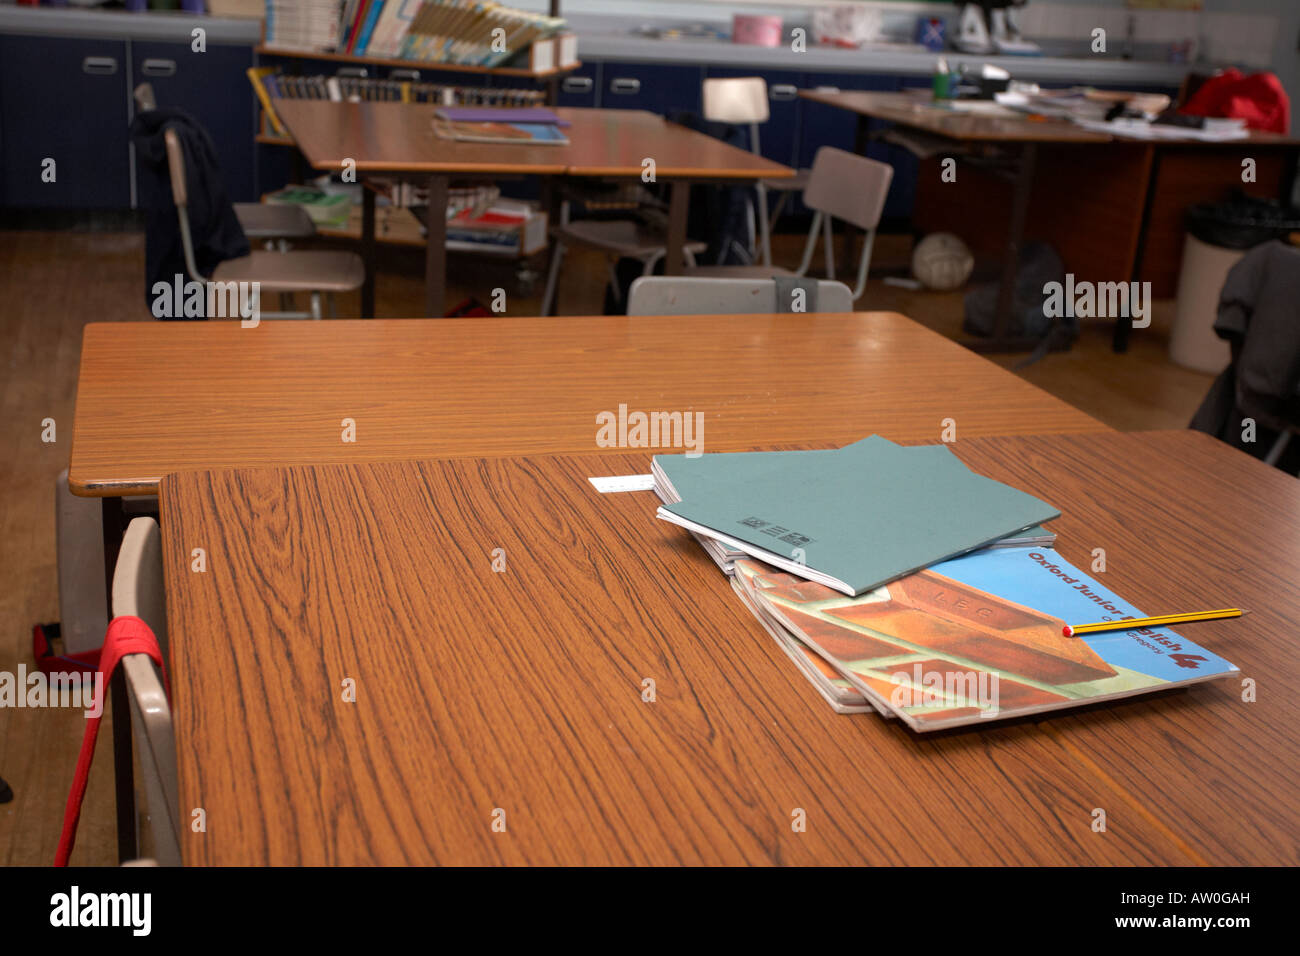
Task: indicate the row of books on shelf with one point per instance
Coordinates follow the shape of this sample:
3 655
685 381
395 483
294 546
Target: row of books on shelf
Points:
900 582
468 32
270 85
479 219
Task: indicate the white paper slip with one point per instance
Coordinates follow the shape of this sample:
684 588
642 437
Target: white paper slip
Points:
623 483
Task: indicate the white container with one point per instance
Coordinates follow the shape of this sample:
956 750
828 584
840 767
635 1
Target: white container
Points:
1193 343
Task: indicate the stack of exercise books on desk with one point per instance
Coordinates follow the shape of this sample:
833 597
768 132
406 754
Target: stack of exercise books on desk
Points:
900 581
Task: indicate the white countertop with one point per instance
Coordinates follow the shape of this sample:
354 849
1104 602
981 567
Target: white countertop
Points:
621 45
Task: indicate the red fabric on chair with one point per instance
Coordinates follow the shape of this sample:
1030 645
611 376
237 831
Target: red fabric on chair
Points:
1258 99
126 635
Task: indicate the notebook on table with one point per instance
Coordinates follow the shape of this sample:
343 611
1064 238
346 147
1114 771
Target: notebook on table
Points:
856 517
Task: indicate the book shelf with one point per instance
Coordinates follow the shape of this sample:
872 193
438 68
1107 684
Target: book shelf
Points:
517 71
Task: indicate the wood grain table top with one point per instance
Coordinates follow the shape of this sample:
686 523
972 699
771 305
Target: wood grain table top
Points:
516 698
158 397
920 112
399 137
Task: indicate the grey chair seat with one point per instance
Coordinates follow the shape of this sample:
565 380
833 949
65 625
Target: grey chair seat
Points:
298 271
795 184
271 221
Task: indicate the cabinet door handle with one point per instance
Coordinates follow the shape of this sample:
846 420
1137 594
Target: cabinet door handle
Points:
577 84
99 65
412 75
357 71
783 91
154 67
625 85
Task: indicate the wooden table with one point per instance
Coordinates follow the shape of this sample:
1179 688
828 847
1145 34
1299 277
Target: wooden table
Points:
213 395
1113 207
398 138
518 697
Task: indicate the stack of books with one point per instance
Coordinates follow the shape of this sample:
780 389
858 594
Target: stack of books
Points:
901 582
468 32
303 25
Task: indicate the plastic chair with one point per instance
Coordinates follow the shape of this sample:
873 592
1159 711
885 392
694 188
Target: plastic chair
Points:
743 101
617 238
258 220
138 592
842 185
688 295
314 272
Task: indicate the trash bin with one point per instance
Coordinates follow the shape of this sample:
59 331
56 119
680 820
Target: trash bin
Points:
1193 343
1218 236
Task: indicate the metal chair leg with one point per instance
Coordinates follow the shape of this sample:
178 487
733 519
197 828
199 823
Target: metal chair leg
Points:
764 226
829 234
315 306
552 280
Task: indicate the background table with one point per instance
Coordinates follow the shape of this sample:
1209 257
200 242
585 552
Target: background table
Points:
214 395
522 691
1112 207
398 138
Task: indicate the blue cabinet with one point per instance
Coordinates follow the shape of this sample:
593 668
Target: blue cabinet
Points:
581 88
831 126
211 87
658 88
64 100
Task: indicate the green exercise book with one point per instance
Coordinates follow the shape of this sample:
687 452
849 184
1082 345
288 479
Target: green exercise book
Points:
852 518
684 477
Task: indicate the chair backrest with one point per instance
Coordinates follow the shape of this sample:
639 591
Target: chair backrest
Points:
180 196
138 591
706 295
736 99
144 98
848 186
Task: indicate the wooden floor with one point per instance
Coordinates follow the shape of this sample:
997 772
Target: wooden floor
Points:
52 283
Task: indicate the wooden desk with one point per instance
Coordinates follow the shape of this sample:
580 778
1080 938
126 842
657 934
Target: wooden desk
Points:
1113 207
522 691
921 113
399 138
213 395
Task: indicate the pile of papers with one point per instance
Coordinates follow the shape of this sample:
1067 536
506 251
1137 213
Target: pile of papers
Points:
899 581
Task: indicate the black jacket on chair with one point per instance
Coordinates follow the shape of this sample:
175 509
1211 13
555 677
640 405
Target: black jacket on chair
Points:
215 229
1259 316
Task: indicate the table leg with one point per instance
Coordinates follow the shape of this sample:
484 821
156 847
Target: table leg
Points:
1124 323
678 204
123 769
368 252
435 256
549 198
1019 212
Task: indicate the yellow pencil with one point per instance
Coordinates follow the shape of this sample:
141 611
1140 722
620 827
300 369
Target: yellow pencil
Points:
1131 622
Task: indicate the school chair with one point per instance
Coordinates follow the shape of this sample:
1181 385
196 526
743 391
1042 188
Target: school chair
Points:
696 295
259 220
138 592
743 101
635 237
841 185
316 272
